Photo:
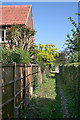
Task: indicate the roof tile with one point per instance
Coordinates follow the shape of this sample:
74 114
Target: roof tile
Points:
14 14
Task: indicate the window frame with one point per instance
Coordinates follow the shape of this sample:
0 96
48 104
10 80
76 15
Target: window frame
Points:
3 36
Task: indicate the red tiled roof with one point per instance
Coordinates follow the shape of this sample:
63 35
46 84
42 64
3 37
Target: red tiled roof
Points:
14 14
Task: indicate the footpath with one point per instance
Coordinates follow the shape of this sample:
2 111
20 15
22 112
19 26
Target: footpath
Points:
63 100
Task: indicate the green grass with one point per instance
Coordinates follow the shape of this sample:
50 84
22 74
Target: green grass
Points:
71 102
46 102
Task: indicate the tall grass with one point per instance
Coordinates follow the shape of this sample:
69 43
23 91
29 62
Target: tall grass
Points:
69 77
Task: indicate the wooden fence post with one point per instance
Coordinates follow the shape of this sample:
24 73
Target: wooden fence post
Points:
30 72
24 86
21 72
0 91
79 90
26 83
39 75
16 113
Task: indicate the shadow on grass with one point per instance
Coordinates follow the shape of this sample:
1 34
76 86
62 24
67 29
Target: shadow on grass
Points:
43 108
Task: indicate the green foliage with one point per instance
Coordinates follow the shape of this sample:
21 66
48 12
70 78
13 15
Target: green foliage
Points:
62 59
13 57
18 36
69 81
53 68
17 55
44 78
73 43
35 83
75 57
4 54
24 56
46 102
20 48
46 53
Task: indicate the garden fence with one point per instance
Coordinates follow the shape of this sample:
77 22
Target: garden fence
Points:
18 81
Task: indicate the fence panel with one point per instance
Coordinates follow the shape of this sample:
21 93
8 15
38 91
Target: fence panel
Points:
18 82
7 91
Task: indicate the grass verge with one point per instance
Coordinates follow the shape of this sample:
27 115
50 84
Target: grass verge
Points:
70 99
46 102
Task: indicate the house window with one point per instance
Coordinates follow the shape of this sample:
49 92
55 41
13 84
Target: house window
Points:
2 35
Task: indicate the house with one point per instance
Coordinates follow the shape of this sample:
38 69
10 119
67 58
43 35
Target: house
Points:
14 14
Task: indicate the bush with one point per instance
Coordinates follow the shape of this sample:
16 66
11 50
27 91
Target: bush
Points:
24 56
17 55
44 78
13 57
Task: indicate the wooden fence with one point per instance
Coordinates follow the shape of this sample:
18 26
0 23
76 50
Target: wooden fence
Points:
17 84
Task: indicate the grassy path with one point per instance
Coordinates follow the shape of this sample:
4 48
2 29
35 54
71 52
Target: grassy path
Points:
72 106
63 100
46 102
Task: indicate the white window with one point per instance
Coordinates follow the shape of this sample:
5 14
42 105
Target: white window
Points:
2 36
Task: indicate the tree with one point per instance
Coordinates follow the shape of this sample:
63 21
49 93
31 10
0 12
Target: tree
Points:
45 54
75 57
19 36
62 58
73 43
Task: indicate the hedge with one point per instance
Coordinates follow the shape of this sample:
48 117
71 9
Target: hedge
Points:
70 76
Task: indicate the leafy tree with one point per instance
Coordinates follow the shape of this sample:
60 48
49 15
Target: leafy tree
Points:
19 36
73 42
45 54
75 57
62 58
21 46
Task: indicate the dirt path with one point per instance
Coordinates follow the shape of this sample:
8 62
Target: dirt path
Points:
63 100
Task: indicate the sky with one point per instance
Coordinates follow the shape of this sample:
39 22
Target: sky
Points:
50 20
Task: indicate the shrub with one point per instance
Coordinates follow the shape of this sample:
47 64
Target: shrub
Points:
24 56
17 55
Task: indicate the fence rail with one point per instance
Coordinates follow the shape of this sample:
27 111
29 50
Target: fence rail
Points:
18 81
